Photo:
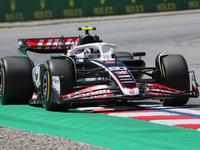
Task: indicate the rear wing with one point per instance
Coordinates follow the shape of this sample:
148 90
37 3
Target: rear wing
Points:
47 45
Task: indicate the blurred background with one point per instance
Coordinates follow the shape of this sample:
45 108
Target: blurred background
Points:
24 10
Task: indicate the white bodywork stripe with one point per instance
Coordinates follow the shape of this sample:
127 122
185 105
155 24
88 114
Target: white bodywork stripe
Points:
68 41
40 42
49 42
56 41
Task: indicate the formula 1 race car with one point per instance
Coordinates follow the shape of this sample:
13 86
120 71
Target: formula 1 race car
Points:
90 71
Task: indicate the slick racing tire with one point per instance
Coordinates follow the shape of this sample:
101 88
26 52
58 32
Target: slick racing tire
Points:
16 85
63 69
176 76
123 55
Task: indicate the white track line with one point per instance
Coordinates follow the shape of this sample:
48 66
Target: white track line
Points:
176 122
173 109
141 114
107 108
92 108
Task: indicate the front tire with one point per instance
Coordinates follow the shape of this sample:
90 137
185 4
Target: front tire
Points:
16 85
176 76
63 69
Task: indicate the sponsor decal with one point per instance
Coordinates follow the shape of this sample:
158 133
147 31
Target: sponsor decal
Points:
55 80
159 86
56 84
162 91
98 96
90 94
40 42
132 92
128 82
56 41
53 43
157 89
148 93
121 72
110 62
124 76
126 79
86 91
34 96
117 68
49 42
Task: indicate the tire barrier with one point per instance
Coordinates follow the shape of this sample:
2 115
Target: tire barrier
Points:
22 10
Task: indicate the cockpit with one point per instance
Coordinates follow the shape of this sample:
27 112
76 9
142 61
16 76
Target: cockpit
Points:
101 51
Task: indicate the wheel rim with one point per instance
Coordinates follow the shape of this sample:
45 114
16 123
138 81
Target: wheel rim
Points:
1 80
1 84
44 87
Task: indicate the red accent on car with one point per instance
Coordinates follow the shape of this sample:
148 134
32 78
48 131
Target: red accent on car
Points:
121 72
50 43
86 92
132 92
162 86
110 61
196 90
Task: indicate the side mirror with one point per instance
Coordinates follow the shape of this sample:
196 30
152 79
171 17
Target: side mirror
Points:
139 54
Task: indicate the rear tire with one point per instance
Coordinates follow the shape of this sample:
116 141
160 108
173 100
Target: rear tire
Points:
16 85
176 76
63 69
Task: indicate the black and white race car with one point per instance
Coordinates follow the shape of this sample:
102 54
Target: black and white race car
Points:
90 71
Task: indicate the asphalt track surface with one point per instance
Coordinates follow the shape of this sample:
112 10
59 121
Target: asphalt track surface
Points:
178 34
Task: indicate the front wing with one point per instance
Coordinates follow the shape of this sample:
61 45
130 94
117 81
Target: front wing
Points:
105 93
